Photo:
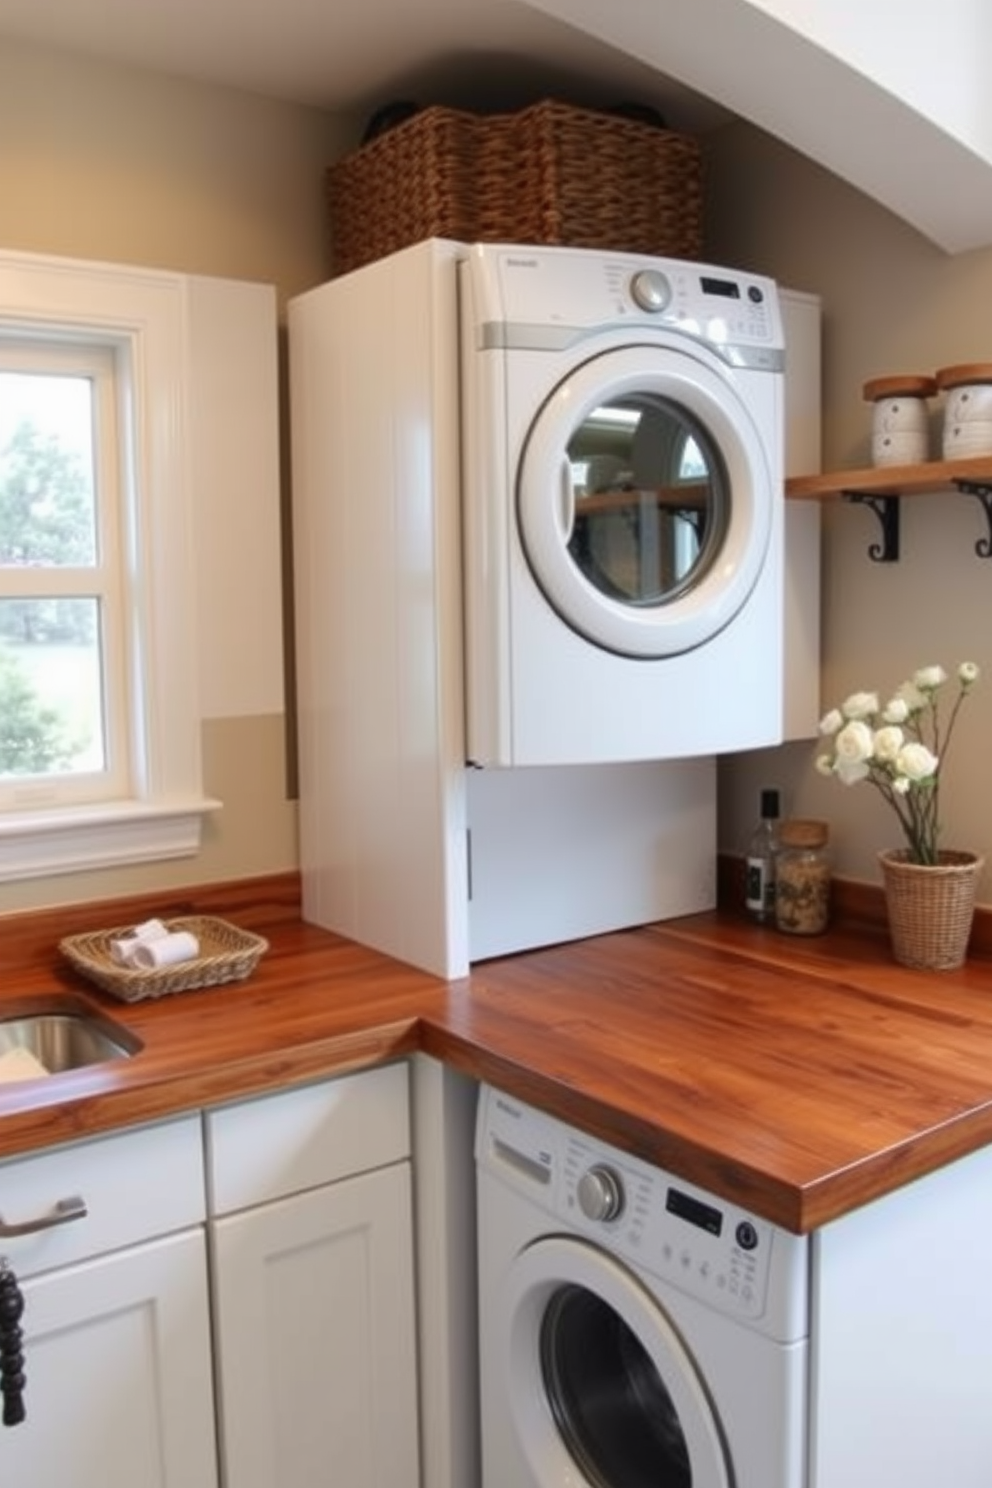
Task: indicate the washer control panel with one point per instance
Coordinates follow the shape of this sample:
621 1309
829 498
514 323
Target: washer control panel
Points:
544 298
671 1228
663 1225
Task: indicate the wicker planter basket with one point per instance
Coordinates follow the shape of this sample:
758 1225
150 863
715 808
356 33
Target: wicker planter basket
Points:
548 174
930 909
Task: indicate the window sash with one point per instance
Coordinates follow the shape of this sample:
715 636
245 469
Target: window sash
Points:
107 581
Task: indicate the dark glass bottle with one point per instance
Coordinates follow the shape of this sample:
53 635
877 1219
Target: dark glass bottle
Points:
759 875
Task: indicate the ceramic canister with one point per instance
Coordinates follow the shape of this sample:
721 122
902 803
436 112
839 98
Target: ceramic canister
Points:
901 419
968 410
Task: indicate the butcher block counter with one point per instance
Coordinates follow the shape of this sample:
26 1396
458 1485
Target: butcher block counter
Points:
797 1078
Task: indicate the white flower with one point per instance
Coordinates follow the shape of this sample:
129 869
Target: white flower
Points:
888 742
901 749
911 697
929 678
854 744
916 762
860 705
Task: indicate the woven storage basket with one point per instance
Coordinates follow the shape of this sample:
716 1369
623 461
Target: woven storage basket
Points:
548 174
930 909
227 954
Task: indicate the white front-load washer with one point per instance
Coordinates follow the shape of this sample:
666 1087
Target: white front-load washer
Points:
634 1330
622 433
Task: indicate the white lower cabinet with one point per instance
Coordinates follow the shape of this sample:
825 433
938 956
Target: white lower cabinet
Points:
118 1374
313 1289
236 1290
116 1333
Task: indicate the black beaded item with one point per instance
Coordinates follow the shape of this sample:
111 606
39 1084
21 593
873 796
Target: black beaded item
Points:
12 1378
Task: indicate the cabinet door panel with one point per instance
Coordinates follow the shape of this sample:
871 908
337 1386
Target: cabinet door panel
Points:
119 1385
316 1348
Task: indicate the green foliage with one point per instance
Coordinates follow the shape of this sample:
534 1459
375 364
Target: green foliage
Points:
33 737
46 520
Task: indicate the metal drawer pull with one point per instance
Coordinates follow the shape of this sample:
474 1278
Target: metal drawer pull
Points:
65 1211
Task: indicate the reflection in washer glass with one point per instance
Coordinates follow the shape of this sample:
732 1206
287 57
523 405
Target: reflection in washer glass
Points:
609 1402
651 499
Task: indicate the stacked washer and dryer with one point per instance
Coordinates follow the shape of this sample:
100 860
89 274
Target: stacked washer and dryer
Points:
539 530
539 537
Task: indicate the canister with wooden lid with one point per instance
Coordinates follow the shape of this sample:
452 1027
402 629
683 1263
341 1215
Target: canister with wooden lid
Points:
802 877
901 419
968 410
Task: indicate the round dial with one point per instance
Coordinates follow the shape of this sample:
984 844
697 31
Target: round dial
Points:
600 1192
651 290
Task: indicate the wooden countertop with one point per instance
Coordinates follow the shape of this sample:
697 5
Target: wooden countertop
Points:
798 1078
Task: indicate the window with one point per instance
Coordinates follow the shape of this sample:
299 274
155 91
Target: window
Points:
63 584
99 726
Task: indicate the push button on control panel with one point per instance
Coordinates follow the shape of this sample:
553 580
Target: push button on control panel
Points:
747 1235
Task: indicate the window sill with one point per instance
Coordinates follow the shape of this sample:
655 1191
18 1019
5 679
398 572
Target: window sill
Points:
37 844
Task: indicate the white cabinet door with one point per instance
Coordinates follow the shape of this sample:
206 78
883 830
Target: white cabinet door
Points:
119 1384
314 1317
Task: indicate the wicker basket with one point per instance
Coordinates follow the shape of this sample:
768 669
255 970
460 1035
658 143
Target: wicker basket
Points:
227 954
550 174
930 909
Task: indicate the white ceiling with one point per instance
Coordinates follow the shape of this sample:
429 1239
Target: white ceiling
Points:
354 55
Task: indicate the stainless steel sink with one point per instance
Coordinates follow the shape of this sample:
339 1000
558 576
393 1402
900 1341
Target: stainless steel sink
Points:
51 1036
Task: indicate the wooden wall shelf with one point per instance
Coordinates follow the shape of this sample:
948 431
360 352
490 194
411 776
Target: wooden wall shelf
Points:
881 488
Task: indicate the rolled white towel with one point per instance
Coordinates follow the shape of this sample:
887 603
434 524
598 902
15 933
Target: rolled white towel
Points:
165 950
123 950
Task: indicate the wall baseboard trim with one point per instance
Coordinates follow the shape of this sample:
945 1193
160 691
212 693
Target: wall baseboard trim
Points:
854 903
31 937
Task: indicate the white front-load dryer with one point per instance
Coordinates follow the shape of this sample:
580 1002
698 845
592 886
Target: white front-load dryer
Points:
634 1330
622 434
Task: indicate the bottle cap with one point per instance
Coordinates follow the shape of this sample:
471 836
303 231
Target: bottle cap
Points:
769 805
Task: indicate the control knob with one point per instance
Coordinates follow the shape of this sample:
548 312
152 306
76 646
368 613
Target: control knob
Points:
600 1193
651 290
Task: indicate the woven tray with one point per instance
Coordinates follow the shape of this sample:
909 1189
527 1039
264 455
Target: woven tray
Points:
227 954
548 174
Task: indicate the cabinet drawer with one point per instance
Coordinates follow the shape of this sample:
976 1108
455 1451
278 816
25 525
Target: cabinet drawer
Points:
135 1185
282 1144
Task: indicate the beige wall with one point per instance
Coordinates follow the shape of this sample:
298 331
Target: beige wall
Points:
110 163
892 303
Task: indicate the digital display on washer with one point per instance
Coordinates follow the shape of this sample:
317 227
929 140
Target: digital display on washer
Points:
726 287
704 1216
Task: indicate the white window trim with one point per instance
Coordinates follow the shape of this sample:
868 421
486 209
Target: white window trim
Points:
145 312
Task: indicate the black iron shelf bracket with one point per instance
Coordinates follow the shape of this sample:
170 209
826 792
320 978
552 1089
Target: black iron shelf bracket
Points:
886 509
982 492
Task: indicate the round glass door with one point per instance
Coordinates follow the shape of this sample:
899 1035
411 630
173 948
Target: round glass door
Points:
645 502
611 1406
603 1392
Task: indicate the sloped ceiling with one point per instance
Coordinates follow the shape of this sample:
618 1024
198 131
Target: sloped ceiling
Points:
890 95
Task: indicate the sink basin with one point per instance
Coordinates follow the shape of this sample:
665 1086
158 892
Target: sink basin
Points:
53 1036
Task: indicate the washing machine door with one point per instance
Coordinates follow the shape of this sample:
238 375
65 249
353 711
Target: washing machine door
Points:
645 500
603 1391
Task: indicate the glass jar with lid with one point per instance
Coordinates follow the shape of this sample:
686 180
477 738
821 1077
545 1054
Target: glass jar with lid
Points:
802 868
